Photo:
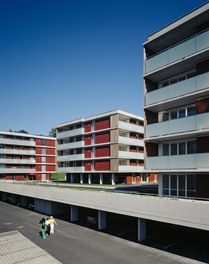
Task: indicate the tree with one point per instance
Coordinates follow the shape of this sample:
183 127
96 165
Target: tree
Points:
52 132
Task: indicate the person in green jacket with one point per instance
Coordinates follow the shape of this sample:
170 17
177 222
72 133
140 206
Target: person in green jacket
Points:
42 225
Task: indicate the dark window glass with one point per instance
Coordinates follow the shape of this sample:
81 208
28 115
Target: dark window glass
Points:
165 149
191 147
165 116
182 113
191 111
182 148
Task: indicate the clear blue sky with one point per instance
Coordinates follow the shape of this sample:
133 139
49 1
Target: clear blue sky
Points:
65 59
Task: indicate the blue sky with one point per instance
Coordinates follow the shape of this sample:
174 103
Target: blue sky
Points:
65 59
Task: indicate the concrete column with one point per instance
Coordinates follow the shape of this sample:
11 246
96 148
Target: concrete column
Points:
81 178
113 179
4 196
101 220
89 178
141 229
24 201
73 213
160 185
100 178
72 178
13 198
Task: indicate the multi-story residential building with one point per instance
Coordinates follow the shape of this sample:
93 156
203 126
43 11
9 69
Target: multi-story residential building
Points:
176 77
106 148
25 156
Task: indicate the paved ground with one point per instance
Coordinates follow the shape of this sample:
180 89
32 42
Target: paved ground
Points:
16 248
79 245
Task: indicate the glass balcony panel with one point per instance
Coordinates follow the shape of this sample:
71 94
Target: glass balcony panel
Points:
202 81
203 41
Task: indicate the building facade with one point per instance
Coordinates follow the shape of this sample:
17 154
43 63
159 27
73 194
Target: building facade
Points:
176 78
25 156
106 148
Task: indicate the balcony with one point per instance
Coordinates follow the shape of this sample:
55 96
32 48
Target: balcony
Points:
70 157
16 170
70 133
130 141
18 161
183 88
132 169
17 152
70 169
195 162
28 143
72 145
178 52
131 127
130 155
187 124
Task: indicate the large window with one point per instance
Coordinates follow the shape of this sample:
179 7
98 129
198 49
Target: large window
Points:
179 148
179 185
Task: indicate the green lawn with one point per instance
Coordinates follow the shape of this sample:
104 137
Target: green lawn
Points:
58 176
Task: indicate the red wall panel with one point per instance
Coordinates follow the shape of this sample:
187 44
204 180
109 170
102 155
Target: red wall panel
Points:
50 151
38 159
50 142
102 138
87 166
102 124
88 153
50 159
102 152
38 151
38 141
88 127
88 140
50 168
102 165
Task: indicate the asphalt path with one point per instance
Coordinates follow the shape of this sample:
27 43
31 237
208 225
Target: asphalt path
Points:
75 244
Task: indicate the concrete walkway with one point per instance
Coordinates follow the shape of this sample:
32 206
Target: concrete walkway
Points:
16 248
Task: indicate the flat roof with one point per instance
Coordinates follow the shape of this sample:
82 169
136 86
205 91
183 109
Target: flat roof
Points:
25 135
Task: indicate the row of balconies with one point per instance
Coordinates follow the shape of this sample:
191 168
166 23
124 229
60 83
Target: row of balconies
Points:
81 169
121 140
183 88
121 154
5 141
188 124
177 52
191 162
18 152
122 125
18 161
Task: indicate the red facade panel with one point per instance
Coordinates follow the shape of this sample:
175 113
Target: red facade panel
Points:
38 167
38 151
87 153
20 178
87 166
102 138
87 127
102 152
50 142
38 159
102 124
38 142
50 159
88 140
50 151
50 168
102 165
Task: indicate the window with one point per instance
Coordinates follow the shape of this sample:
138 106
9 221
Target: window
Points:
181 185
182 148
165 184
182 113
174 149
165 149
174 115
191 185
191 111
174 185
191 147
165 116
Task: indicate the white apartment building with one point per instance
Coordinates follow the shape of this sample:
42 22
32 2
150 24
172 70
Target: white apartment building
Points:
176 78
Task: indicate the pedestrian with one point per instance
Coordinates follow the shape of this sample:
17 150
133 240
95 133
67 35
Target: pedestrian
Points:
52 222
47 223
42 225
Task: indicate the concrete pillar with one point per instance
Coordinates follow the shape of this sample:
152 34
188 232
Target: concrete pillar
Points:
89 178
73 213
4 196
81 178
13 198
141 229
160 185
101 220
24 201
113 179
100 178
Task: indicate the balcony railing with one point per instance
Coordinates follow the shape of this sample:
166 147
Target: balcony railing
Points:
70 169
17 161
70 133
72 145
130 155
70 157
17 142
130 141
178 52
131 127
182 88
198 161
187 124
123 168
17 152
